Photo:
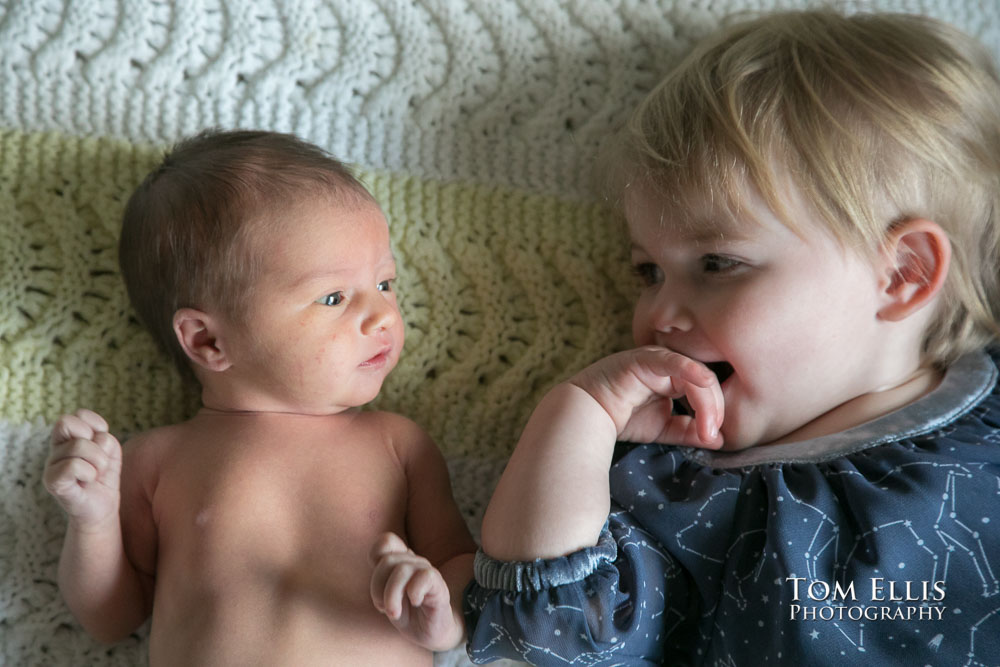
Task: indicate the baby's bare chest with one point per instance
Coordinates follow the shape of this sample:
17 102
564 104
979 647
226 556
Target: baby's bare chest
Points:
290 514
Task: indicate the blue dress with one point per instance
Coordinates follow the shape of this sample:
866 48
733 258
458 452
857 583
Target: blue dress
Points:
879 544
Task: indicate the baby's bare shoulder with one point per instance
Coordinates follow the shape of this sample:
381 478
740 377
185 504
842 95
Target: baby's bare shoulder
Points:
389 423
152 442
395 428
406 439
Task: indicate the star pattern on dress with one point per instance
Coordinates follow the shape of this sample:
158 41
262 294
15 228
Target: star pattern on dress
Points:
919 510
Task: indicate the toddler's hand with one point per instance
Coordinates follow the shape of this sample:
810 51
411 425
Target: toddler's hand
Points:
83 469
637 388
413 595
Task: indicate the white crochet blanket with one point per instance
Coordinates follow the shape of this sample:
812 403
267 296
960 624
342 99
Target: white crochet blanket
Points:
475 121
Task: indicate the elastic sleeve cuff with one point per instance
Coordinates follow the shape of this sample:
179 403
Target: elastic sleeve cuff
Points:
542 574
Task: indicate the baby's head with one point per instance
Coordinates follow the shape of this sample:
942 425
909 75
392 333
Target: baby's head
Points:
867 121
224 220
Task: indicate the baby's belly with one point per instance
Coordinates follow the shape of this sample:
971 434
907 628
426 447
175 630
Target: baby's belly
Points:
264 615
277 585
261 629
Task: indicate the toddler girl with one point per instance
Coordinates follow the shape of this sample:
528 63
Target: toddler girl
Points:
812 203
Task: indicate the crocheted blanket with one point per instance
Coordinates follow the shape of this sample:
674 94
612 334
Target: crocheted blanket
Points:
476 123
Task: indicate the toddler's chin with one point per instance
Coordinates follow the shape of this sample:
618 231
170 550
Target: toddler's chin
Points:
735 438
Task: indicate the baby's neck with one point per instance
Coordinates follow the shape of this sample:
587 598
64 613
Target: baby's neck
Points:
219 397
227 411
867 406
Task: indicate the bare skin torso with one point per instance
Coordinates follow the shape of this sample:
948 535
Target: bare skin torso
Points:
260 531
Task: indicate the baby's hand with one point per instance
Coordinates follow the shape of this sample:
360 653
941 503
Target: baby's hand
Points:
413 595
83 470
637 388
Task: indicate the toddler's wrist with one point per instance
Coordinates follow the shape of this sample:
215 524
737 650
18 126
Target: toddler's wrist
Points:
594 399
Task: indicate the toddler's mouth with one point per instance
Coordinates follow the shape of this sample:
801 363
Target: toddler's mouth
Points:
722 369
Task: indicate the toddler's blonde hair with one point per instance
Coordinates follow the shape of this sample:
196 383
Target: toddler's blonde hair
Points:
874 118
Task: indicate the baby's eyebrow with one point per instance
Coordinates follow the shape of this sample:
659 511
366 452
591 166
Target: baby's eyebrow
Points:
329 274
325 275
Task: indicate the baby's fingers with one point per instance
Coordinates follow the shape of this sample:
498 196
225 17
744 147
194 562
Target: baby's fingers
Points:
110 446
388 554
389 586
100 453
386 544
80 462
84 424
65 478
426 587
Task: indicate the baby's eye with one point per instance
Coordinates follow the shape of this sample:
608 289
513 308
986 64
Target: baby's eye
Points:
719 263
333 299
384 286
649 273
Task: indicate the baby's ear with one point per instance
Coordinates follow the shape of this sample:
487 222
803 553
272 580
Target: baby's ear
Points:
199 336
915 259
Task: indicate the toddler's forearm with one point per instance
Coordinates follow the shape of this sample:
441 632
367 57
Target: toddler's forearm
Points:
553 496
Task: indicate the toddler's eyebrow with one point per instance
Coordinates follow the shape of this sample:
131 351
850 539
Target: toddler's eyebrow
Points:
706 232
714 228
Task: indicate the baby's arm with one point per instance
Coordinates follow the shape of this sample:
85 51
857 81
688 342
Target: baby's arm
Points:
419 585
83 473
553 498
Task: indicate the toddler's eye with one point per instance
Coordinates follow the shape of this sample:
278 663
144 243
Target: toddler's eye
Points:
334 299
649 273
384 286
719 263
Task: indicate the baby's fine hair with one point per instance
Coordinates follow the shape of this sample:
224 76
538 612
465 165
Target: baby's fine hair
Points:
188 230
874 118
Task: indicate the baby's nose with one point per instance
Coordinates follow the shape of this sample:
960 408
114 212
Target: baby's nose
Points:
380 315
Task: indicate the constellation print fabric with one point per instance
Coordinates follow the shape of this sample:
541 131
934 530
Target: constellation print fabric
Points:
881 543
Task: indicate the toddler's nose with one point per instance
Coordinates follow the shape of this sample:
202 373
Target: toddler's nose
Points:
670 313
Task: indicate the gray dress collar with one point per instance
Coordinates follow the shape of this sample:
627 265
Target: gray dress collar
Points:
965 383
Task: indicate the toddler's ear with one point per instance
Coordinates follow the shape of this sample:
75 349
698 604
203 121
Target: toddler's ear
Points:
198 334
916 257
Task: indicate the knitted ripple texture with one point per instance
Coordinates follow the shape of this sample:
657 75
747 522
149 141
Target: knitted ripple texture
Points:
477 124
